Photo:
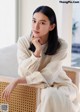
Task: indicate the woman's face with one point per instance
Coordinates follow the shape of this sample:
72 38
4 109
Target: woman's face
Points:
41 26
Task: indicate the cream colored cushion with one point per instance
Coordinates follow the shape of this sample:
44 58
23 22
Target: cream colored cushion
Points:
8 60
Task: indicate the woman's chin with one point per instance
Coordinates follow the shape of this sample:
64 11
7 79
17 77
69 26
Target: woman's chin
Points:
36 35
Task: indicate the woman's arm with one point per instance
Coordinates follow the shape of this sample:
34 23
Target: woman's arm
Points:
8 90
28 62
50 73
47 74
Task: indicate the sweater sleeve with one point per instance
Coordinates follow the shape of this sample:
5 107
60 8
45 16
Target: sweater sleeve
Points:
49 74
27 62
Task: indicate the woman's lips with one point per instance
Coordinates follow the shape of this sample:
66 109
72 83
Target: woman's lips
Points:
36 32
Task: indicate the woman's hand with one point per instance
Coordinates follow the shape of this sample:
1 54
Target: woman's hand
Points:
8 90
38 46
36 42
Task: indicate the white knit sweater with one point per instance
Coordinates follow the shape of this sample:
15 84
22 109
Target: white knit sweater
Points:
45 69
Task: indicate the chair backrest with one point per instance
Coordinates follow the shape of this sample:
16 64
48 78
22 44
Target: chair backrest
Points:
74 74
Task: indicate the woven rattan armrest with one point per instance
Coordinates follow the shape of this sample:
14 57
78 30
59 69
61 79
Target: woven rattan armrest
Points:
24 98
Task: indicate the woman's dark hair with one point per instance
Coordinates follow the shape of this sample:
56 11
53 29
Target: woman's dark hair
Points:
53 42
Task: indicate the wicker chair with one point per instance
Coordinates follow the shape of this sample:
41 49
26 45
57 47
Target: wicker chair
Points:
25 98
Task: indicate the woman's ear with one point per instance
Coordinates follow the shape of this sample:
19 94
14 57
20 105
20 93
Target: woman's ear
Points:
52 27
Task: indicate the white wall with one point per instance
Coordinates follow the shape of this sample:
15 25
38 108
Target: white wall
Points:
67 30
7 22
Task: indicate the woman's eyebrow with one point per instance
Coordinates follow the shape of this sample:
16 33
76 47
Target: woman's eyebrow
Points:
33 18
40 20
43 20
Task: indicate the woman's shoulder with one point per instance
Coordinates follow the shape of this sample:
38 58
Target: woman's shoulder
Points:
63 44
62 51
24 40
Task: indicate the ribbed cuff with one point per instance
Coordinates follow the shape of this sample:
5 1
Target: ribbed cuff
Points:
35 58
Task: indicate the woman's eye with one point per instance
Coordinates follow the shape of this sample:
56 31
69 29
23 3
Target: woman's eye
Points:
42 23
33 21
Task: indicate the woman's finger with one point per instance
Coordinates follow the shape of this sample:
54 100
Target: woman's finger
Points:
5 94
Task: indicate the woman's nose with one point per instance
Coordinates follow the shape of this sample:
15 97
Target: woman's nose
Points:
37 26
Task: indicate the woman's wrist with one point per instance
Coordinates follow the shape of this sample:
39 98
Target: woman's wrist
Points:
37 53
20 80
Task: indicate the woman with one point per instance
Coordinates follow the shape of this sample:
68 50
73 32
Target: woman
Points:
40 61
